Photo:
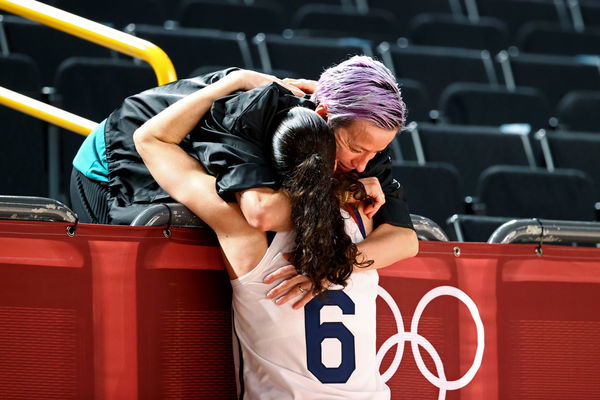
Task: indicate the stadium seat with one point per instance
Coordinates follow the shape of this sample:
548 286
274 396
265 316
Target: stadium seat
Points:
472 228
571 150
417 100
190 48
470 149
438 67
407 9
554 76
94 87
578 111
131 11
433 190
451 31
229 16
23 163
547 38
512 191
305 56
477 104
590 13
47 46
517 13
338 21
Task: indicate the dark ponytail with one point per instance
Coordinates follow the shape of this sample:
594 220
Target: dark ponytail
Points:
304 152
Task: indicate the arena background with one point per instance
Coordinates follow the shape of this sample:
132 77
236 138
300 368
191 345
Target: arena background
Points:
503 99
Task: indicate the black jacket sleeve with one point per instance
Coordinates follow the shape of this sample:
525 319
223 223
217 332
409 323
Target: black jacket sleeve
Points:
233 142
395 209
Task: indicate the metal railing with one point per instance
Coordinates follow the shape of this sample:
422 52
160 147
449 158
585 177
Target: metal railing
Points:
176 214
90 31
546 231
26 208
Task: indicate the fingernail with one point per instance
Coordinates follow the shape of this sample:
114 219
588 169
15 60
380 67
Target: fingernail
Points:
279 301
270 294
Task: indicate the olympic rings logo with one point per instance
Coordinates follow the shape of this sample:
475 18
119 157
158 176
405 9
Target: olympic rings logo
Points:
440 381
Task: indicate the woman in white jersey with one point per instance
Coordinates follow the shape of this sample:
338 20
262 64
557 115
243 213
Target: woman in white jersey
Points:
326 350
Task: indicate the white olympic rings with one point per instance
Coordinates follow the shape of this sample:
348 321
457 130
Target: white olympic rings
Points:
440 381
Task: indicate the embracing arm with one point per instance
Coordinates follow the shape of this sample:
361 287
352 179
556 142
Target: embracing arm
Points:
184 178
388 244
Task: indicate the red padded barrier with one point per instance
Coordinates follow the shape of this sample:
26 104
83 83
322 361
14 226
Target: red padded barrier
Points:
119 312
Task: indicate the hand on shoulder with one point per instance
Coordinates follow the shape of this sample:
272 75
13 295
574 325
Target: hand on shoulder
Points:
247 79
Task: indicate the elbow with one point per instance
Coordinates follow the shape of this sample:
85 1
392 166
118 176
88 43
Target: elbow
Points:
259 219
264 210
140 137
412 244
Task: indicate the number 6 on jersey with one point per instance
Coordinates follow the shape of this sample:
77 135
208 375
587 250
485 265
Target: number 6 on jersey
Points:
317 332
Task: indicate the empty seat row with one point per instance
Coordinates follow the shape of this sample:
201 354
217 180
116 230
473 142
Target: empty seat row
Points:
476 104
503 192
435 67
471 150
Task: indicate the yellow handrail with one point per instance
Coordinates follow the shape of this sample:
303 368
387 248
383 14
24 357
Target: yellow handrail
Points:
46 112
93 32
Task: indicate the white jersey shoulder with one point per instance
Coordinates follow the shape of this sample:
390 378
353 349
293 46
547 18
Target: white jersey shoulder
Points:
325 351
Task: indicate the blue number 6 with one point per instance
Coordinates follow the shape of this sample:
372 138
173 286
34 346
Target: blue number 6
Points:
316 332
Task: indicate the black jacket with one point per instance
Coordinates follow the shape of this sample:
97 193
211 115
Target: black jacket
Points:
233 143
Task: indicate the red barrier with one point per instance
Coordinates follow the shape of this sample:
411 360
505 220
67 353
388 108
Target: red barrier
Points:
122 313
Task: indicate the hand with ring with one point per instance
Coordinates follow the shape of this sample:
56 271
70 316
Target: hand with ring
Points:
292 286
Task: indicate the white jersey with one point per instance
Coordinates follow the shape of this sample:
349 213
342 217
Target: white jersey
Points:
325 351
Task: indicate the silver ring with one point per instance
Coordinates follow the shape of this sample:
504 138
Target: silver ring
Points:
301 289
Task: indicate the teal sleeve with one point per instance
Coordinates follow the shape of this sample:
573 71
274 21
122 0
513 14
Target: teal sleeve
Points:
90 160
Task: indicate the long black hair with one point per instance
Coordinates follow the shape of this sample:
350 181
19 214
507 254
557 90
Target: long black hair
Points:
304 156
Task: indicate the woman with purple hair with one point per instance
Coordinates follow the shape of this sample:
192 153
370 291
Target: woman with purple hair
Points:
229 132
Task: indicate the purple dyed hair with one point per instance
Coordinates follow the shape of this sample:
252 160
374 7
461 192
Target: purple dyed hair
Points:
361 88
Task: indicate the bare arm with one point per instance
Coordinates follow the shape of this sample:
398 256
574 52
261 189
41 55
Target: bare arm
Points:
242 245
388 244
266 209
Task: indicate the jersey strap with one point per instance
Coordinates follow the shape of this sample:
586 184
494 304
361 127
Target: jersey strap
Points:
355 214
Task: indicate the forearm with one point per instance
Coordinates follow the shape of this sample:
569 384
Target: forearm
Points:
266 209
386 245
176 121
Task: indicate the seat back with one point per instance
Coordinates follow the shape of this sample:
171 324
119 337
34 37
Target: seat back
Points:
438 67
572 150
477 104
548 38
338 21
48 47
230 16
433 190
308 57
511 191
451 31
554 76
470 149
190 49
578 111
